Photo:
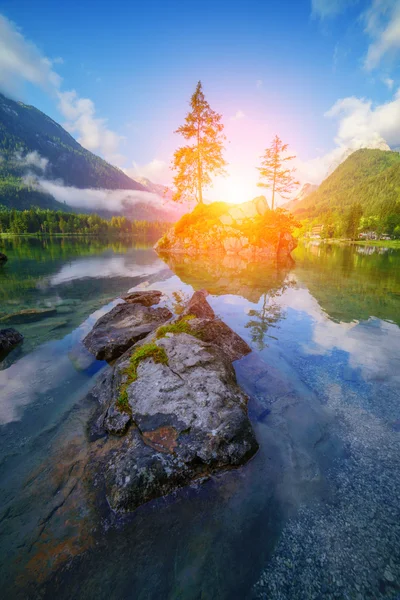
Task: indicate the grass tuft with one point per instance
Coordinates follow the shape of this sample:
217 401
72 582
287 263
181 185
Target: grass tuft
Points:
122 402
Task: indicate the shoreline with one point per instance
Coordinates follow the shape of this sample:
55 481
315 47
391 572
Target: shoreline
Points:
62 235
378 243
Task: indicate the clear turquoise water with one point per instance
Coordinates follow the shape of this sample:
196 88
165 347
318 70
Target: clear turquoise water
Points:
315 514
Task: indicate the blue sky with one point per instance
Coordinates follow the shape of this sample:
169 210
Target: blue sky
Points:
119 76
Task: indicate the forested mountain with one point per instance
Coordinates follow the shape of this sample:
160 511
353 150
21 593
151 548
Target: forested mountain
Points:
32 145
370 178
25 130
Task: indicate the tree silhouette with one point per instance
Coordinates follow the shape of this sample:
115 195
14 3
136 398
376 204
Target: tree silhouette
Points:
274 172
268 316
196 162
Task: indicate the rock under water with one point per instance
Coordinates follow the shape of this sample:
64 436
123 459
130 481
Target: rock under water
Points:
9 339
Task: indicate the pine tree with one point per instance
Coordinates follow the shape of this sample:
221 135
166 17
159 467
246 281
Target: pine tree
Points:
273 171
195 163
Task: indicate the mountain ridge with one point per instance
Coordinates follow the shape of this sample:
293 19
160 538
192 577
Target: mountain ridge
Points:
369 177
34 148
25 129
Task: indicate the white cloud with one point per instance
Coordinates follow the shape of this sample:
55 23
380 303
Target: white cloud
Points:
92 131
95 199
373 345
389 82
115 266
158 171
360 125
32 159
383 26
329 8
363 123
21 61
238 116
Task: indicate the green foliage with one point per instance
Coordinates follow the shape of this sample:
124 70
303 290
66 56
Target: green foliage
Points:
274 173
181 326
196 162
269 225
368 177
50 222
353 217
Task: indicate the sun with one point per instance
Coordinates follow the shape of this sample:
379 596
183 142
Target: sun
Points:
234 189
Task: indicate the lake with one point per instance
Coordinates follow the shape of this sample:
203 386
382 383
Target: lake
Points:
315 514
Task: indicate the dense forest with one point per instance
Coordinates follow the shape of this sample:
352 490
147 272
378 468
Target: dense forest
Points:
50 222
361 196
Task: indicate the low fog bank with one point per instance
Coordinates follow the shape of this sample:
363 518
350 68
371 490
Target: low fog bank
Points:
135 204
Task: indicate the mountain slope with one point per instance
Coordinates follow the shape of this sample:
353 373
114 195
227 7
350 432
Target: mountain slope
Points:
25 130
370 177
306 190
35 152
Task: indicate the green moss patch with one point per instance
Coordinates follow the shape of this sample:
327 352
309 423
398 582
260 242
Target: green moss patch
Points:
146 351
181 326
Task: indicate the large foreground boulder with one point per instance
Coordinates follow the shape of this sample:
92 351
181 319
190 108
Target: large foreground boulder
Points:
122 327
171 412
9 339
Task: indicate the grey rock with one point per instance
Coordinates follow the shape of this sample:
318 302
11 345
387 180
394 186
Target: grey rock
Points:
146 298
116 422
122 327
3 258
217 332
188 418
199 307
9 339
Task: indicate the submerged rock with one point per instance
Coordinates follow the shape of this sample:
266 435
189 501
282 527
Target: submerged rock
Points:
174 403
9 339
146 298
29 315
122 327
3 258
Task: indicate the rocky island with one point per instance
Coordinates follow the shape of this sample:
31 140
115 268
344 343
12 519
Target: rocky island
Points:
250 231
170 411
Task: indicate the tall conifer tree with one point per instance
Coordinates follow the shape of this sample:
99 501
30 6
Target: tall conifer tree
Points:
196 162
274 173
